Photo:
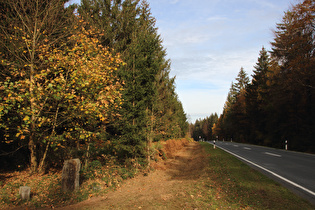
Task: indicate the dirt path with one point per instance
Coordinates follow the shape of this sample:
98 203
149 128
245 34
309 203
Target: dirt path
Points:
167 187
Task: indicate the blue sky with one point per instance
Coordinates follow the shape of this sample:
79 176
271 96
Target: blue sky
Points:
208 41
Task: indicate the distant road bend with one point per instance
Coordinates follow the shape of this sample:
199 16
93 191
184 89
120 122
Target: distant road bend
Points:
293 169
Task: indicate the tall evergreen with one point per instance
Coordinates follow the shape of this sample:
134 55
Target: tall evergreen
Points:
233 121
139 74
231 98
257 99
242 81
293 92
151 109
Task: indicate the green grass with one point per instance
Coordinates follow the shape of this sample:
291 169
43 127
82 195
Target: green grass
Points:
230 183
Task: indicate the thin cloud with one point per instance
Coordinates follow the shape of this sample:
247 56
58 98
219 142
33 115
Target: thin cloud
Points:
217 18
174 1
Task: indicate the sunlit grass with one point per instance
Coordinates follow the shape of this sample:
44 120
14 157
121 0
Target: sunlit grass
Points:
229 183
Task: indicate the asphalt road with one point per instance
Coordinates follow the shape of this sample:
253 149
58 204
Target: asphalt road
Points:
292 169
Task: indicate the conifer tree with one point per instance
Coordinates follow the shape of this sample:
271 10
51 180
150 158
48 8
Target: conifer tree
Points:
149 94
233 121
257 98
143 64
242 81
280 99
231 98
293 77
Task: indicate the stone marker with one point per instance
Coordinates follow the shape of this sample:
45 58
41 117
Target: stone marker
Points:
70 175
25 192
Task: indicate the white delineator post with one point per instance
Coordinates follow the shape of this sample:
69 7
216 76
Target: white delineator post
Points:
286 145
214 144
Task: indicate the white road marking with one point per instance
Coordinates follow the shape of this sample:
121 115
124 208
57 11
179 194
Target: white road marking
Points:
272 154
247 148
276 175
235 145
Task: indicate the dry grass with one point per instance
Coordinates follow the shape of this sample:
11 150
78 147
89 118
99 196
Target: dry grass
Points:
171 146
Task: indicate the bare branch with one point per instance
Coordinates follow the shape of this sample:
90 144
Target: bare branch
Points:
12 152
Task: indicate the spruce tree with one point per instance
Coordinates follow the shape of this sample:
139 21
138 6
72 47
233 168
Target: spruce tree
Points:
151 109
257 98
233 121
242 81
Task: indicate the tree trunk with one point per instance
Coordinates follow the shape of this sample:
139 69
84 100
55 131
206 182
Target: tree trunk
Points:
150 136
41 167
87 156
33 158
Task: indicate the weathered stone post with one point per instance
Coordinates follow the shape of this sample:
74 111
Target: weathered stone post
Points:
25 192
70 175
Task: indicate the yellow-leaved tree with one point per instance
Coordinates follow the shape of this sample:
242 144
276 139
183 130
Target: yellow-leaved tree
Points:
65 100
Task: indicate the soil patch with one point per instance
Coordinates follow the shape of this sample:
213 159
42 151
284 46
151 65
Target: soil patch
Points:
166 187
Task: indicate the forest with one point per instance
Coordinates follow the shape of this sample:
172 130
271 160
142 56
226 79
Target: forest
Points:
202 128
277 103
88 81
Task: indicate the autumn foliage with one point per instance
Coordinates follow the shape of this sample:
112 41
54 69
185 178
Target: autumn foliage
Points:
82 85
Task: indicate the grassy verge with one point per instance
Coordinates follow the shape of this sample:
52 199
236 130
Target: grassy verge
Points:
229 183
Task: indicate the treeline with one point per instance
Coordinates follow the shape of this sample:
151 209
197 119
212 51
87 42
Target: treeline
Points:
202 129
89 81
278 104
